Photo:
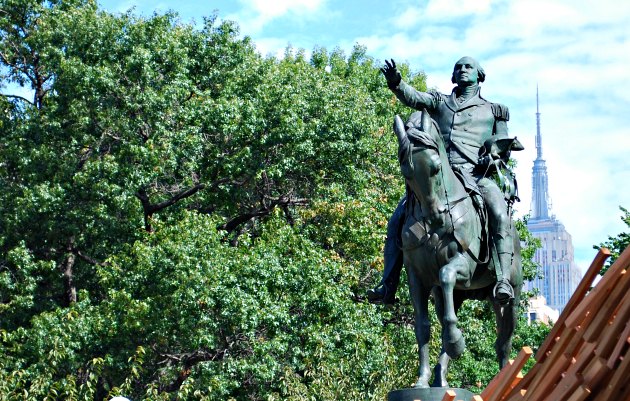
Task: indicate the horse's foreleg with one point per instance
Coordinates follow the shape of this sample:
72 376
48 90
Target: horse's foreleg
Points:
450 274
420 298
440 371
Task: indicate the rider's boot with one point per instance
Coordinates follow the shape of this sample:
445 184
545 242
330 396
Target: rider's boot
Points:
503 291
385 292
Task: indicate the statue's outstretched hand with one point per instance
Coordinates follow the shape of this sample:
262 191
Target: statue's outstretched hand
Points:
392 75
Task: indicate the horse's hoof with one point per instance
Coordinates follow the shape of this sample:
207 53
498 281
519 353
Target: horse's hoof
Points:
455 346
421 383
439 383
439 376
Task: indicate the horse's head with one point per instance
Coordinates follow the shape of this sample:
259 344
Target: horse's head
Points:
422 157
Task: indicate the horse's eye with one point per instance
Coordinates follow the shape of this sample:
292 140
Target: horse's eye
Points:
436 164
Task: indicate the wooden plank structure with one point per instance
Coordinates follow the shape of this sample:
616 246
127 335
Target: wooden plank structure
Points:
586 356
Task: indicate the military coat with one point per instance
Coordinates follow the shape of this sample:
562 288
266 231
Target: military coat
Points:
464 126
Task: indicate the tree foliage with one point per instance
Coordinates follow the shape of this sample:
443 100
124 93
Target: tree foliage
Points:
183 218
618 243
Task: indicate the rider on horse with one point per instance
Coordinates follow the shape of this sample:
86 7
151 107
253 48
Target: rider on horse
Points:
475 133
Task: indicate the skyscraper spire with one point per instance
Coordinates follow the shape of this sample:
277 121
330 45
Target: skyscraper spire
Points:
540 193
538 136
560 275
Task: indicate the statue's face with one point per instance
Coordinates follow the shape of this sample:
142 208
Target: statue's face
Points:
466 71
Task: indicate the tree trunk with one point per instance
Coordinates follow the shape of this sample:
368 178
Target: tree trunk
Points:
68 276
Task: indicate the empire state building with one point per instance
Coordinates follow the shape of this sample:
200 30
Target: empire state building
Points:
555 258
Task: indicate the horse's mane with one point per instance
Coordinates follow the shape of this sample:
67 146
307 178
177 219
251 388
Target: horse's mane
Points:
421 132
425 139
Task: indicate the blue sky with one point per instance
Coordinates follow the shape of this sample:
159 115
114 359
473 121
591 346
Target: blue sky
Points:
576 51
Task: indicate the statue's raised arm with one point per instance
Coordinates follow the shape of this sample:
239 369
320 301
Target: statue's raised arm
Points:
404 92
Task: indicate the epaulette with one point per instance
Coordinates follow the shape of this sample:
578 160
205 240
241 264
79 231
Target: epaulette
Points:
500 111
436 95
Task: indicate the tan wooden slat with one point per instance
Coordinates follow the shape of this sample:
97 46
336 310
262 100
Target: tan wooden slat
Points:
596 372
547 379
575 343
517 396
608 309
618 379
449 395
524 384
585 310
502 382
580 394
576 298
566 386
624 342
494 383
517 380
582 357
608 339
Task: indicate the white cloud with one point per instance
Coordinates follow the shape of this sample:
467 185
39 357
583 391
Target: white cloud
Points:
410 18
446 9
272 47
256 14
278 8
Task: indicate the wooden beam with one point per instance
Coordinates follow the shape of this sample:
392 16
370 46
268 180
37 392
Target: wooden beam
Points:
606 312
608 338
586 310
449 395
577 297
524 384
617 381
501 385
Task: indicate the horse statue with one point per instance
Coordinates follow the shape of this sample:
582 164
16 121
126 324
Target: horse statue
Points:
443 249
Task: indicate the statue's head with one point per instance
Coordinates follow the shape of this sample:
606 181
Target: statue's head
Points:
467 71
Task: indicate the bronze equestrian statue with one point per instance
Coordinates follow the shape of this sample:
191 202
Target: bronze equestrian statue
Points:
454 226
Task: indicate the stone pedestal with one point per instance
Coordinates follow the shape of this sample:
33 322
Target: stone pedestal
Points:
428 394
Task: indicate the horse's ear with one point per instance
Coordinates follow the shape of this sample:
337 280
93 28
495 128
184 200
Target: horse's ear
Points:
399 130
425 122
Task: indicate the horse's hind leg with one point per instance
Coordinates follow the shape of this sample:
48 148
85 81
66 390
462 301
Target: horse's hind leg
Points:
507 315
420 298
506 318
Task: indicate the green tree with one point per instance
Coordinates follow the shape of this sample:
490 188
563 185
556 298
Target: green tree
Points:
184 218
618 243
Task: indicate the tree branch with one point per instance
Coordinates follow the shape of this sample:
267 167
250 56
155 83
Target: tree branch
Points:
235 346
89 259
18 97
151 208
283 202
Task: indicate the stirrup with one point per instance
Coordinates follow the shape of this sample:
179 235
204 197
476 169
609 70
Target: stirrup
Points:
381 294
503 292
